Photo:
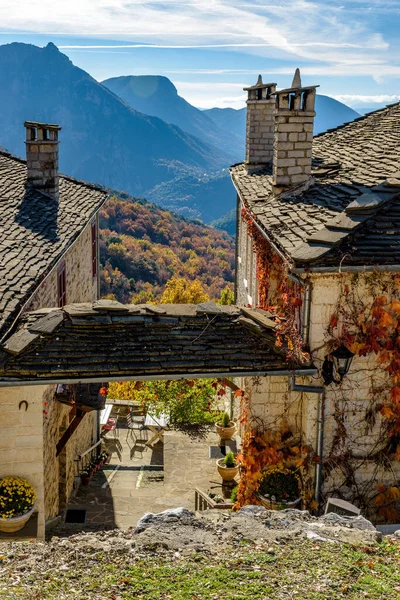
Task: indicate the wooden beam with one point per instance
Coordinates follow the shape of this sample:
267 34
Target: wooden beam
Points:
70 430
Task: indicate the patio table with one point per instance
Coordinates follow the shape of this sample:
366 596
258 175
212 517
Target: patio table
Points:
105 413
157 425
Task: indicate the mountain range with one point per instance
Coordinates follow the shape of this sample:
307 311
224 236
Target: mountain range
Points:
157 96
103 139
130 133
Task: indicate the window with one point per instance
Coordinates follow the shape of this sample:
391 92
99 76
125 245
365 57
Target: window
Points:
94 249
61 285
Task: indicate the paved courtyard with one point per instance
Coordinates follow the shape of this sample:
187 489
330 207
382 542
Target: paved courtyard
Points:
140 479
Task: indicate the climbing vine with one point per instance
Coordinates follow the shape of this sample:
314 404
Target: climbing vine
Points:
278 294
365 407
266 449
274 446
367 320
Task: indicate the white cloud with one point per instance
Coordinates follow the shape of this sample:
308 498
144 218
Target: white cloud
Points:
210 94
295 28
360 99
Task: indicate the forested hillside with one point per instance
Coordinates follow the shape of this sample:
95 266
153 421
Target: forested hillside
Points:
142 246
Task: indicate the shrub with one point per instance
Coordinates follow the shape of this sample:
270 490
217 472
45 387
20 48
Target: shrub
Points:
229 460
225 420
234 494
283 484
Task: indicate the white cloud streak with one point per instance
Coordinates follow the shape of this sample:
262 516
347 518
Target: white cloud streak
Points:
321 32
301 24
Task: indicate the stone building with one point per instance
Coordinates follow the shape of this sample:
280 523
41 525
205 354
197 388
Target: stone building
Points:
48 257
318 246
55 332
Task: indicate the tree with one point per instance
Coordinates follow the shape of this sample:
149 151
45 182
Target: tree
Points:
184 401
227 296
180 291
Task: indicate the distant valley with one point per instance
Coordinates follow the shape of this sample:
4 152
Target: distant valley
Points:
142 246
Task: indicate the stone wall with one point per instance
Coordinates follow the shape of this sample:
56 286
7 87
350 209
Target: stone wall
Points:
28 441
21 440
81 286
60 473
271 399
352 397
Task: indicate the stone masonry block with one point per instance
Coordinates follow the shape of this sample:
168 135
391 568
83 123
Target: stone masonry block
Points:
286 162
294 170
293 137
284 180
292 127
280 172
295 154
28 441
301 119
302 161
299 178
282 137
286 146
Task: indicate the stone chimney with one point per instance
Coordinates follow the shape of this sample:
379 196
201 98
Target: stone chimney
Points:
42 157
260 124
294 123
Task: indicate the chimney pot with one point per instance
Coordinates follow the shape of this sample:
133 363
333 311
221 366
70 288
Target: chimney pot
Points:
42 157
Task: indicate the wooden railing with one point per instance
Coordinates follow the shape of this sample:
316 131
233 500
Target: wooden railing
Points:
202 501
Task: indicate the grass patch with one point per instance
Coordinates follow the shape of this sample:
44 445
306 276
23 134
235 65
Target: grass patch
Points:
302 570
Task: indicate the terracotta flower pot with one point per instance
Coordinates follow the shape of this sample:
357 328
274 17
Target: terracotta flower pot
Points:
226 433
227 473
85 479
13 524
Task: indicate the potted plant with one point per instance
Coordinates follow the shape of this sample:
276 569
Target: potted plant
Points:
280 488
225 427
227 467
85 477
17 503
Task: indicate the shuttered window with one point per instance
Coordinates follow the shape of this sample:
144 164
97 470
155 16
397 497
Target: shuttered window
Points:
61 285
94 249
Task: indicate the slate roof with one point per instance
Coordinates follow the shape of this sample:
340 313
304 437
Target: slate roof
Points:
109 341
35 231
324 225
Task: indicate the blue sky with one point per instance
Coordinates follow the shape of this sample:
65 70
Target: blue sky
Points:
211 49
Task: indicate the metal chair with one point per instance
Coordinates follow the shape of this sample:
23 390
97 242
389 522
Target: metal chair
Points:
135 423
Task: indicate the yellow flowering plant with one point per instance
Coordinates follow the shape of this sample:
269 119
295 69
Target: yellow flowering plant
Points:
17 497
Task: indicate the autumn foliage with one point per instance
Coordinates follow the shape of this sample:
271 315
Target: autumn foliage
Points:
143 246
369 324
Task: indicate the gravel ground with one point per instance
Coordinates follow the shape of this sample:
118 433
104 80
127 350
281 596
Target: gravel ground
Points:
37 570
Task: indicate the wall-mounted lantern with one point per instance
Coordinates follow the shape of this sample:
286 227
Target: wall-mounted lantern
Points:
337 363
